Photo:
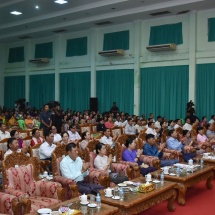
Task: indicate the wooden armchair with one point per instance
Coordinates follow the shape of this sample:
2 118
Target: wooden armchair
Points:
20 178
34 152
84 128
70 186
122 139
10 204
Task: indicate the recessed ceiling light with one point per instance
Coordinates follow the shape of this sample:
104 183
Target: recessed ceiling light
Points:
16 13
37 7
61 1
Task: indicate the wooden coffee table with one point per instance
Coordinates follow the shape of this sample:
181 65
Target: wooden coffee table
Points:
135 202
84 209
190 179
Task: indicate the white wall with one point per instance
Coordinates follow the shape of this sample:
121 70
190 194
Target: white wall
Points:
195 49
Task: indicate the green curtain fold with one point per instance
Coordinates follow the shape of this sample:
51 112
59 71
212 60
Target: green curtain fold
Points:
211 30
115 86
14 89
164 34
164 91
16 55
205 76
42 89
44 50
116 40
75 90
76 47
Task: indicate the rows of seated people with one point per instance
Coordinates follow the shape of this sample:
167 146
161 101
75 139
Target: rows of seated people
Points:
113 148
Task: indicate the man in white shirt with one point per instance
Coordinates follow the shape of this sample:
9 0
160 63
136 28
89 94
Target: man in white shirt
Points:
178 123
107 139
212 119
3 133
129 128
139 126
118 122
151 129
57 137
13 146
73 134
157 123
47 148
187 125
73 167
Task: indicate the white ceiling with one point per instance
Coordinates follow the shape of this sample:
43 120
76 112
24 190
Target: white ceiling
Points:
82 14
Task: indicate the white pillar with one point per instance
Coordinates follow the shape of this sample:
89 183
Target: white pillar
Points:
2 65
27 70
93 52
192 56
57 52
137 45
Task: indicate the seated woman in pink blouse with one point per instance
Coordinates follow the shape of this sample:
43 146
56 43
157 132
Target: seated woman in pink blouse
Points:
202 138
103 162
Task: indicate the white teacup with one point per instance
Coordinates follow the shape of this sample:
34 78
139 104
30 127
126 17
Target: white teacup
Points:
108 191
190 162
205 155
148 177
166 170
83 199
45 174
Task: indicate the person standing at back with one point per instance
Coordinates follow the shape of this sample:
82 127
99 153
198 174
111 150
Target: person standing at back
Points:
45 118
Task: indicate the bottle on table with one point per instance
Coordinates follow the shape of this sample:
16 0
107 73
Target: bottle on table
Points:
121 194
98 200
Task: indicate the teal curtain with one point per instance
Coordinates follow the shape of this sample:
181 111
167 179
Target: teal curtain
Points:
14 89
116 40
76 47
42 89
115 86
16 55
44 50
164 34
205 88
211 30
75 90
164 91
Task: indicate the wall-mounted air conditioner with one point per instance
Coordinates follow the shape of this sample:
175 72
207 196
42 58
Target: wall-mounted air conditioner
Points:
163 47
39 60
117 52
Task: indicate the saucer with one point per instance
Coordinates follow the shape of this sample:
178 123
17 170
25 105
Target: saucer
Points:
116 197
156 181
86 203
92 205
108 196
44 211
122 185
128 182
172 174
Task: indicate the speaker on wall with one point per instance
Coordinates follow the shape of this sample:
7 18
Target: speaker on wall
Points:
94 104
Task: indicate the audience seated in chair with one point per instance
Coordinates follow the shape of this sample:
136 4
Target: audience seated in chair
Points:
107 139
150 149
133 155
47 148
13 146
73 134
73 167
85 140
36 138
57 137
28 122
103 162
3 133
15 134
174 144
129 128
